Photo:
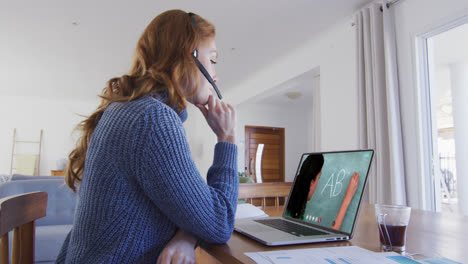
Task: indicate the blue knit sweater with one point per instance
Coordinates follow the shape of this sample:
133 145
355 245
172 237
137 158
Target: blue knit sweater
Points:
140 185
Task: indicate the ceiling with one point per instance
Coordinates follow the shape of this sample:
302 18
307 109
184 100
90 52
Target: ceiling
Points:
448 48
302 86
64 48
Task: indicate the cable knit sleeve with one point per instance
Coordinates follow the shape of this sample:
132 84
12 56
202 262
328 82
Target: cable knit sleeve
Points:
169 177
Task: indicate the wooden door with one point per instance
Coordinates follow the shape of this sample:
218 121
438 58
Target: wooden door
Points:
272 164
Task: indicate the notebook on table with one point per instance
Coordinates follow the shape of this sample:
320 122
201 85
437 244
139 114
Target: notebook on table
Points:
323 204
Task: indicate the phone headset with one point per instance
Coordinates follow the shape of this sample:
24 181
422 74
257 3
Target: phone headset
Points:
200 66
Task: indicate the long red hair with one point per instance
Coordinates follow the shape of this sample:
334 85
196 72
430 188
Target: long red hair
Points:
162 63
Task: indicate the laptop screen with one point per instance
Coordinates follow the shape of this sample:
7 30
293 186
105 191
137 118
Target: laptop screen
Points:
328 188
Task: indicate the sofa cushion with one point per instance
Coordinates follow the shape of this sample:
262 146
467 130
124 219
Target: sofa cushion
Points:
49 241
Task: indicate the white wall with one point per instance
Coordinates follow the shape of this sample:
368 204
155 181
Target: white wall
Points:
459 76
29 115
201 139
414 18
334 52
87 70
58 118
292 119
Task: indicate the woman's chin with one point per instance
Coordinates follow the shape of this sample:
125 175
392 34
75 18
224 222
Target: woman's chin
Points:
198 100
203 102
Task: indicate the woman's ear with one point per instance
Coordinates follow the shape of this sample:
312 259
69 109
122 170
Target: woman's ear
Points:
312 182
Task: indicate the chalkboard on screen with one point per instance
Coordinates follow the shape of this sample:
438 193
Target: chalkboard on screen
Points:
337 171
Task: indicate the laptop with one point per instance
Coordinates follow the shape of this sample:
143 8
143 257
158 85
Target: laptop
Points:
323 204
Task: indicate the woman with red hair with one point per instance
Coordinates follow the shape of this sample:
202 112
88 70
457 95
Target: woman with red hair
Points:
141 196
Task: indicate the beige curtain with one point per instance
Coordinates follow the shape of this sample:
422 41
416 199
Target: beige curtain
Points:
379 106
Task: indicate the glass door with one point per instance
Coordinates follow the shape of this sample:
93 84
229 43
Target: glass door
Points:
447 68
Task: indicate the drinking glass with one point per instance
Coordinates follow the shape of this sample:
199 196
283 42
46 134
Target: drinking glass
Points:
393 222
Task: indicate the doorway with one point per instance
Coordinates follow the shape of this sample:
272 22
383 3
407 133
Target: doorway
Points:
264 153
444 67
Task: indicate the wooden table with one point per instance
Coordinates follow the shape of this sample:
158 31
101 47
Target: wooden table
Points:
429 235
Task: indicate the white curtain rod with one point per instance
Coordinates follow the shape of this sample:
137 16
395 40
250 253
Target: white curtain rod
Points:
389 4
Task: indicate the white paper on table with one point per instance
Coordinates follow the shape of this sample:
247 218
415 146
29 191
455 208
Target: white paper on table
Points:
249 211
342 255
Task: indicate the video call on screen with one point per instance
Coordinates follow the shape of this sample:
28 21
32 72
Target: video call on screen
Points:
327 199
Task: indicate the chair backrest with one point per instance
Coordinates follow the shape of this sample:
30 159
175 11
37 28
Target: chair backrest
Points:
19 213
265 190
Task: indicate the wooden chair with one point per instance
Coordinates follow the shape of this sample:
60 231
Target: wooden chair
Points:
264 190
19 213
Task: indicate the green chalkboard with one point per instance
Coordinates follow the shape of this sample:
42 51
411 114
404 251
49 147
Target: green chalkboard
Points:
337 171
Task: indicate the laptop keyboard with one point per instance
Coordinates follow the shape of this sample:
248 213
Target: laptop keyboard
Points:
289 227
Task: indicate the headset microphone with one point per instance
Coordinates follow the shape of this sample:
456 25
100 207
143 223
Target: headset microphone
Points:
200 66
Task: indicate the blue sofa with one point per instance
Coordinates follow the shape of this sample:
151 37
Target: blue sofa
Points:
54 227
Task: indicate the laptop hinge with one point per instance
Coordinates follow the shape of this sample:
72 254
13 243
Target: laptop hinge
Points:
316 226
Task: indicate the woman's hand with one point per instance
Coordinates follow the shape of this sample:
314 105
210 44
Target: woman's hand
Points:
179 250
221 118
352 186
